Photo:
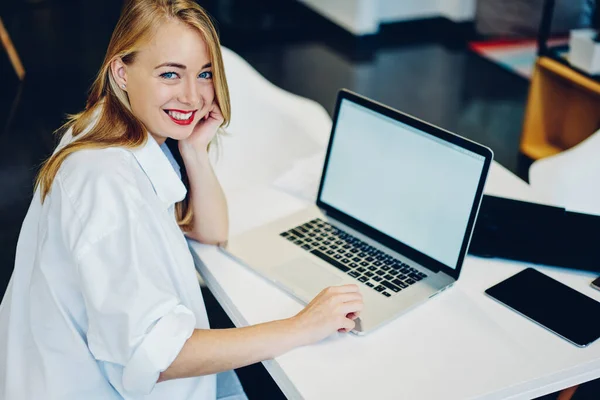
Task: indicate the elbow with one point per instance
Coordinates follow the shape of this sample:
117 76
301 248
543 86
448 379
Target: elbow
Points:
215 239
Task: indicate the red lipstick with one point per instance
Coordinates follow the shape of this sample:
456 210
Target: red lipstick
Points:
181 121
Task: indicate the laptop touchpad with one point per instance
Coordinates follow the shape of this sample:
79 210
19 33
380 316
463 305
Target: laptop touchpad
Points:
305 277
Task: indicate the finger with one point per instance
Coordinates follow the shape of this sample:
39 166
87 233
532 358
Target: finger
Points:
351 307
216 110
343 288
347 325
347 297
353 315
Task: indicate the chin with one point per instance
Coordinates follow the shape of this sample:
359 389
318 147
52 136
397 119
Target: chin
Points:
182 135
179 134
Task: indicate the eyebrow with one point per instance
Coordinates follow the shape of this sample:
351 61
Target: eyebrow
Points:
180 66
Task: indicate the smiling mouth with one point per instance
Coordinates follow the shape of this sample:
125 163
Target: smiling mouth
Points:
181 117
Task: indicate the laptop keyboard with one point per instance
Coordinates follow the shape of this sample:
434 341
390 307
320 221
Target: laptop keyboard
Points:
368 265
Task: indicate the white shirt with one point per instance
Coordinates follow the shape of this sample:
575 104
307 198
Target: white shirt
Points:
104 292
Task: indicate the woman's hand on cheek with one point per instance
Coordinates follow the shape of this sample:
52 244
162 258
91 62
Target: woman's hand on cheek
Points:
205 129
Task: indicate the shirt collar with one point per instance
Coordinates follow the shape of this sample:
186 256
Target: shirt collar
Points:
156 166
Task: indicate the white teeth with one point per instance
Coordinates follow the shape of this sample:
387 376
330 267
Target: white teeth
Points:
180 116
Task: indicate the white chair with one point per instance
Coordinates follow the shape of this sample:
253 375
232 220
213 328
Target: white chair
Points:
570 179
269 130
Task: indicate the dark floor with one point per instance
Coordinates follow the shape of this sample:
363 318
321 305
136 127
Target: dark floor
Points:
422 68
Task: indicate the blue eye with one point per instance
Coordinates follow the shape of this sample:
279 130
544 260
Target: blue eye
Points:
206 75
169 75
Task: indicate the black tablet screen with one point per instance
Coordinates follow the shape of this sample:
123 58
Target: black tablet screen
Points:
551 304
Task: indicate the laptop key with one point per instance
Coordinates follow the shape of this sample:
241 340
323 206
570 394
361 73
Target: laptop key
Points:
363 279
380 288
291 238
330 260
372 268
306 247
388 277
385 267
415 277
376 278
369 284
298 233
380 272
409 281
322 248
386 294
369 274
361 269
353 265
354 274
390 286
399 283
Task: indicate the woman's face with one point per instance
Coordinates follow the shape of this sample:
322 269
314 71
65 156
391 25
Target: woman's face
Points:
169 83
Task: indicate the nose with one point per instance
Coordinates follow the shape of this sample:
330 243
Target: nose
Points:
190 94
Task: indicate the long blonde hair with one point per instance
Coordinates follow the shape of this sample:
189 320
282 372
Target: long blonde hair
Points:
108 108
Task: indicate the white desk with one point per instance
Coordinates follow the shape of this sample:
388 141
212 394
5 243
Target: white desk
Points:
460 344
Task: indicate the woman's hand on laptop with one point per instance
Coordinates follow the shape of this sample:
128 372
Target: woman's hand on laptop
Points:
332 310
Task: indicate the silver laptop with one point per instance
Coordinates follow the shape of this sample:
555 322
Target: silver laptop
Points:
395 211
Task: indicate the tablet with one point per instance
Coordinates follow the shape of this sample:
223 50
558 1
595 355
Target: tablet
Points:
547 302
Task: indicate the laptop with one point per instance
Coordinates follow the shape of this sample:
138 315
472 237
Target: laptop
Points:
394 214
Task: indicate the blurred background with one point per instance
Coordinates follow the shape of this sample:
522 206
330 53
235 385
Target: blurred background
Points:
464 65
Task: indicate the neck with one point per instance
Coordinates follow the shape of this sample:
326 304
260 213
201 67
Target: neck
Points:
159 139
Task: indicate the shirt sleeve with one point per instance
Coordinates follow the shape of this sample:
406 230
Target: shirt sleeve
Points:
135 318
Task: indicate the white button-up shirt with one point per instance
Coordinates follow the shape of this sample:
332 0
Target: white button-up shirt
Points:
104 293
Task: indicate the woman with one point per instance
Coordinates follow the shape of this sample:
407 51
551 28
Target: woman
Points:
104 300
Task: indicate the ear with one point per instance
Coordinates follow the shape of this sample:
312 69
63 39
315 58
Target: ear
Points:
119 72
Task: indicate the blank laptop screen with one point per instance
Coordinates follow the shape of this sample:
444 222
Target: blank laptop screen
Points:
407 184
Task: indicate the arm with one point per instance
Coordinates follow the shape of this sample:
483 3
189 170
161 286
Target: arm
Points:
212 351
211 222
216 350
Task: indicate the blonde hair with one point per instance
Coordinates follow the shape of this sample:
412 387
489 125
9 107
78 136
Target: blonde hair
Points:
108 108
